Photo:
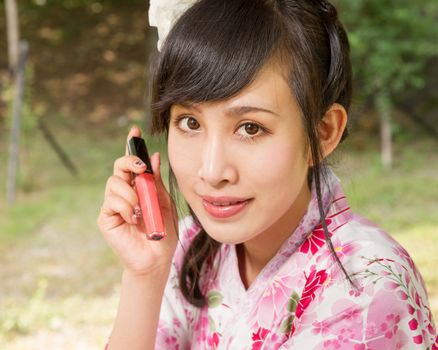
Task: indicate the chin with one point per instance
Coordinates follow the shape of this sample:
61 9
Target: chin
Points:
228 232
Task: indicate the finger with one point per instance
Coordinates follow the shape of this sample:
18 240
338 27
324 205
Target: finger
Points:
117 186
126 165
133 132
115 205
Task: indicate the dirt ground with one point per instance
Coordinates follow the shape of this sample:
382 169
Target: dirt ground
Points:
58 290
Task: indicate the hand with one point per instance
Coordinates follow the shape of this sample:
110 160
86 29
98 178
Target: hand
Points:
122 229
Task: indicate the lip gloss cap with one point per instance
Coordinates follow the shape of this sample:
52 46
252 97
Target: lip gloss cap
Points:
137 147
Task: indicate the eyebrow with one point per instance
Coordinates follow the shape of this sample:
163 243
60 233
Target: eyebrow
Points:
233 111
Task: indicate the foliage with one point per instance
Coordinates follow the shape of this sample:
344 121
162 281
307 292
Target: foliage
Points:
391 42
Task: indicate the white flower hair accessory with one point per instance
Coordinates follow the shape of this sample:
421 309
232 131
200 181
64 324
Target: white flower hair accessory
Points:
164 13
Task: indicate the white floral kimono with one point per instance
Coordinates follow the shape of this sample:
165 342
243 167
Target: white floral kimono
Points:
301 299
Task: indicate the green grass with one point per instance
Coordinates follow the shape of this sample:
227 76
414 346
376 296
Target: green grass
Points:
60 281
399 199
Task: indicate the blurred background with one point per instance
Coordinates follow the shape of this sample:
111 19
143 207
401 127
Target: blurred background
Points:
66 108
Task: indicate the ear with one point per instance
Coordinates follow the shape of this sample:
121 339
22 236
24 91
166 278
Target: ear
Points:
331 128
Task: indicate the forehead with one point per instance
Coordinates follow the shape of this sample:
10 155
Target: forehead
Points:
269 90
269 83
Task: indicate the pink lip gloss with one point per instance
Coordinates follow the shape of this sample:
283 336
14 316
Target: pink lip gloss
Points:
147 192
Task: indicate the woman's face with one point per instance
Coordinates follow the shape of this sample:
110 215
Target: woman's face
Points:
242 163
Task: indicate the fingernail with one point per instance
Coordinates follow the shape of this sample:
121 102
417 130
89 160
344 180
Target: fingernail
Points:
139 163
137 211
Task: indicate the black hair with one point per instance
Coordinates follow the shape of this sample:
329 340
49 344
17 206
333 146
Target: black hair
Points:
217 47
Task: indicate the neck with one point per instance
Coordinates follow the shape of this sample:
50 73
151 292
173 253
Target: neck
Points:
254 254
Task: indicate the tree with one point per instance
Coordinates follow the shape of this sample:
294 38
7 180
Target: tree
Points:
13 33
391 41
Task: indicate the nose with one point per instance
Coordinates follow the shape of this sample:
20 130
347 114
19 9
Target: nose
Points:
217 165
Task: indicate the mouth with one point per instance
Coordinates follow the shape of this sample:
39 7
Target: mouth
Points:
224 207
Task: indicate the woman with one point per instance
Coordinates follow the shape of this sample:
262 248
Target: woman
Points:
253 96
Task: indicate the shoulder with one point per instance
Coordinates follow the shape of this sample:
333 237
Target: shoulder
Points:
391 294
361 243
366 250
389 309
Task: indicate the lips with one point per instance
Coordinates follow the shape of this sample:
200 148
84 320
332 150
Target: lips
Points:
224 207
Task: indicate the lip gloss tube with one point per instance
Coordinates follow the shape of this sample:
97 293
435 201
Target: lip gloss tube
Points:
147 192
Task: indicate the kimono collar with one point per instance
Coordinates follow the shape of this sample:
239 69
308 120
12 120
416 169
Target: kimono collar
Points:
330 190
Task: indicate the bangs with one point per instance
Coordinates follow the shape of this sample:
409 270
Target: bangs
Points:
213 51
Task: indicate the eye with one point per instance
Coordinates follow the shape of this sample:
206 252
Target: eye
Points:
249 130
188 124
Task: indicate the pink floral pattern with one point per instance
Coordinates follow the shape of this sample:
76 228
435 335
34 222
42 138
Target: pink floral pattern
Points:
272 301
315 240
313 283
302 300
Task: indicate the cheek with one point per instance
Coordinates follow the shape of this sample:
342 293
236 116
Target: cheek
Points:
182 158
277 165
